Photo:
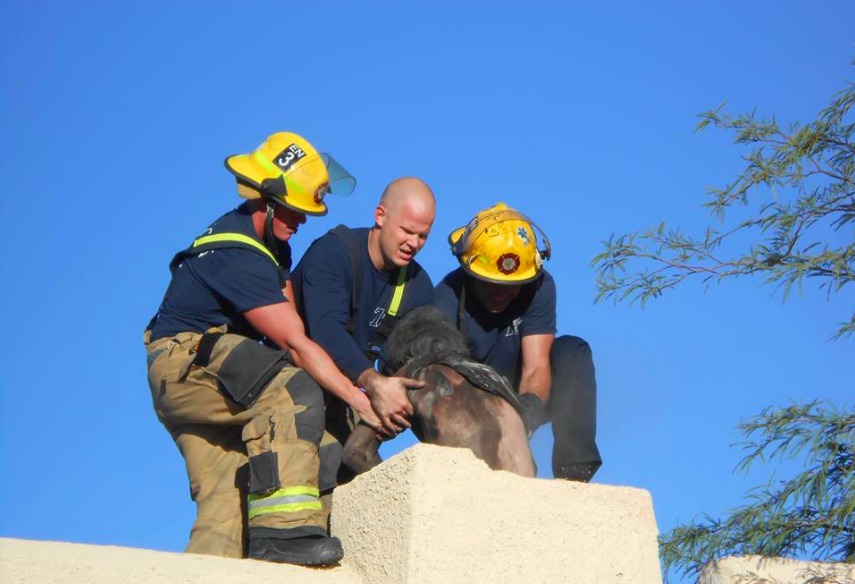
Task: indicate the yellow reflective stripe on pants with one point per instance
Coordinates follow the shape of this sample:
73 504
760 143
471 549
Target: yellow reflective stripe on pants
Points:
290 499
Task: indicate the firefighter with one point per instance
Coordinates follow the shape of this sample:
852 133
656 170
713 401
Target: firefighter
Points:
234 378
353 285
504 301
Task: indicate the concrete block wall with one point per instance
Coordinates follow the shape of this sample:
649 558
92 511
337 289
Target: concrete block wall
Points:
434 514
430 514
759 570
49 562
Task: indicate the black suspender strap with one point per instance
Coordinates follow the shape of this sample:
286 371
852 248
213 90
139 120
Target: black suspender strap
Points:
354 253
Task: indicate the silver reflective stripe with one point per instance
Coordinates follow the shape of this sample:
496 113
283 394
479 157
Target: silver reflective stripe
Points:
276 501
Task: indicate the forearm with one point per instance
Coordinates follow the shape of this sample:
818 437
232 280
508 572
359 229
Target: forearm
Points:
281 324
536 377
534 391
347 356
309 356
537 381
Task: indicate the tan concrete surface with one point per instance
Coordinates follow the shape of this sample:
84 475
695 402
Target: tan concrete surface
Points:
758 570
433 514
48 562
428 515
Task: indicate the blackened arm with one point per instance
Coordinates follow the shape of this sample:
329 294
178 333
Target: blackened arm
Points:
536 376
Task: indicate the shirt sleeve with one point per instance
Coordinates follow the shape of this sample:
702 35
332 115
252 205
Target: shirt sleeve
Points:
326 283
244 278
540 317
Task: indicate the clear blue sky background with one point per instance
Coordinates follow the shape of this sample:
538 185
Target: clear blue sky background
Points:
115 118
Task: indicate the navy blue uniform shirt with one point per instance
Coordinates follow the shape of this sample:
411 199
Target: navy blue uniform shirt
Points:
323 277
215 287
495 339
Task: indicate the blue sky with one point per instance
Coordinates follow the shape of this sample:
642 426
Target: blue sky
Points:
115 118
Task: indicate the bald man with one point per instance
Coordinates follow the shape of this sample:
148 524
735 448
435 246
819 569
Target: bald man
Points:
353 285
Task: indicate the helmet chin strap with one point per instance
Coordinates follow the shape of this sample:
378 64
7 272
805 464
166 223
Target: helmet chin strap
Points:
269 239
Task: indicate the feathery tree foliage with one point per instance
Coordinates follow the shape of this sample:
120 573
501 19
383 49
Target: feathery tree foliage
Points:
797 192
798 186
810 515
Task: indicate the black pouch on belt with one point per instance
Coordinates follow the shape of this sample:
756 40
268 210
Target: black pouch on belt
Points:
246 370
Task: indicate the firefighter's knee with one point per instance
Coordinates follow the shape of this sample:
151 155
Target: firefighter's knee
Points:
305 391
568 345
569 354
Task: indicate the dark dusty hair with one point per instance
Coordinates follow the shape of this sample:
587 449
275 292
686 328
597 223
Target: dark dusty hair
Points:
423 331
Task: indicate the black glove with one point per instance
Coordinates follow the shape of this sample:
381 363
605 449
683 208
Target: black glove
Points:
533 412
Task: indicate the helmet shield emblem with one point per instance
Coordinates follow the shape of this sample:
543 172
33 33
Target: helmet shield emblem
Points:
508 263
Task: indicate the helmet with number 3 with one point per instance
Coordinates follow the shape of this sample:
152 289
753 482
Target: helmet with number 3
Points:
500 245
287 169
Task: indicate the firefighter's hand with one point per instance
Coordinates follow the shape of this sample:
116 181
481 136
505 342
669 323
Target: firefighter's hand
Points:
389 399
367 415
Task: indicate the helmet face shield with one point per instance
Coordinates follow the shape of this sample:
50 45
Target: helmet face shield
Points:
341 182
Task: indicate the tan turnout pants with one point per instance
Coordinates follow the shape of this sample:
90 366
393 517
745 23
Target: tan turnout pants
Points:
227 447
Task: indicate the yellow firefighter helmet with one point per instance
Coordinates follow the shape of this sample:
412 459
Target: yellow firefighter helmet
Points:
500 245
287 169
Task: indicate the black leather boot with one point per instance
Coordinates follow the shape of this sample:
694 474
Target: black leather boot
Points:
310 550
581 472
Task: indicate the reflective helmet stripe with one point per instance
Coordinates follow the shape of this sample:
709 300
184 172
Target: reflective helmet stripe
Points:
395 304
287 500
269 166
236 237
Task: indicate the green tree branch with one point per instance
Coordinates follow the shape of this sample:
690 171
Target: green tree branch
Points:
796 196
809 172
812 513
